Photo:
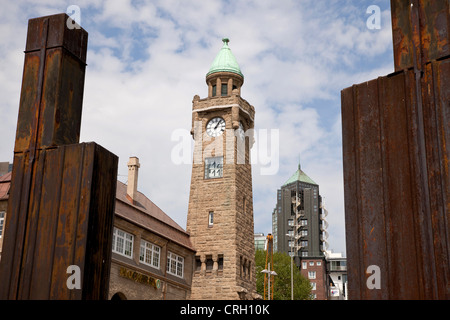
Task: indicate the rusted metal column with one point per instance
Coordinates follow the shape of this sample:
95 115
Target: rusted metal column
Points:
61 204
396 145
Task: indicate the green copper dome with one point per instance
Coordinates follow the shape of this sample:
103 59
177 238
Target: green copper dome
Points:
225 61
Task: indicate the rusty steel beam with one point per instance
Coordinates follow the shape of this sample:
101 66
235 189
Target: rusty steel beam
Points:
61 204
69 221
421 31
53 84
396 145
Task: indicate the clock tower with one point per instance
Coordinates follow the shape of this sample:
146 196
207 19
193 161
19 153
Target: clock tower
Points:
220 214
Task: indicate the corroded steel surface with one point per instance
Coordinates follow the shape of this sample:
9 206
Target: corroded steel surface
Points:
396 171
421 31
52 85
68 213
62 197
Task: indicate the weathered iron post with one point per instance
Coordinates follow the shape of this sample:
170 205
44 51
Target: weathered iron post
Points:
62 197
396 163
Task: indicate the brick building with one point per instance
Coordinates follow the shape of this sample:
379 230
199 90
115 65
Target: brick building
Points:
152 256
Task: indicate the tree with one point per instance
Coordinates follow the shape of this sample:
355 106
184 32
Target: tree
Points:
282 285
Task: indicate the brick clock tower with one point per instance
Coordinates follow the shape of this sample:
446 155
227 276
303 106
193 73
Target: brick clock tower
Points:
220 214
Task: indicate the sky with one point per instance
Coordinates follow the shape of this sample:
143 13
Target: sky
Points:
146 61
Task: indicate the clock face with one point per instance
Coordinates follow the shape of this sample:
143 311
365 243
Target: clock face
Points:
213 168
215 127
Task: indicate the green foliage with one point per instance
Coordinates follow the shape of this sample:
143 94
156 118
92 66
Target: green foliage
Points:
282 286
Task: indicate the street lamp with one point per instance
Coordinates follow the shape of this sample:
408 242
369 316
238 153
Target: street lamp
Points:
270 273
292 263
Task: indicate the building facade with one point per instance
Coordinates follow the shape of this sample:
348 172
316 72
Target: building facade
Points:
337 276
298 227
152 256
220 214
260 241
315 270
5 183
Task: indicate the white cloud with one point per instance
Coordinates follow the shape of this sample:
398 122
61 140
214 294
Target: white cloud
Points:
146 61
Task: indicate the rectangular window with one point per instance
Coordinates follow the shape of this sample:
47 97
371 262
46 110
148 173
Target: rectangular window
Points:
220 262
304 265
211 219
313 286
198 264
122 243
175 264
2 222
209 263
214 90
224 89
311 274
149 254
290 222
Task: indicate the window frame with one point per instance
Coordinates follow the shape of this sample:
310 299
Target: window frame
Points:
2 222
125 241
177 260
224 90
211 219
144 248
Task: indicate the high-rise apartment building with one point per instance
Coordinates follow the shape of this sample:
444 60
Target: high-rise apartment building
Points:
298 228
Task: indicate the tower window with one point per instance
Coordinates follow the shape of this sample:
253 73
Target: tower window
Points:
211 219
214 90
209 263
220 262
198 264
224 89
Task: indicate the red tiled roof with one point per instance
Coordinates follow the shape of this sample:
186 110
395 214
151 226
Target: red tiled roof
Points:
146 214
5 183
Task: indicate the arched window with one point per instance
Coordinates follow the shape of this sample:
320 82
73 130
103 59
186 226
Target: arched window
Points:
118 296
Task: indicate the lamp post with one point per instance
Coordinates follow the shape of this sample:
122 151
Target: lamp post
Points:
292 265
269 274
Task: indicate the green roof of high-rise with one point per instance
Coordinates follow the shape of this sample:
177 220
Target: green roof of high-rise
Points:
225 61
299 175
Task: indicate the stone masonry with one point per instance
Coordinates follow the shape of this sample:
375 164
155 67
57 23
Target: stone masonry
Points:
225 265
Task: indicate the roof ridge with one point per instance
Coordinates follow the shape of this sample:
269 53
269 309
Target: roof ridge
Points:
146 211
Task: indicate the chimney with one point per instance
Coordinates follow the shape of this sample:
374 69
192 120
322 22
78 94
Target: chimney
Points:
133 169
